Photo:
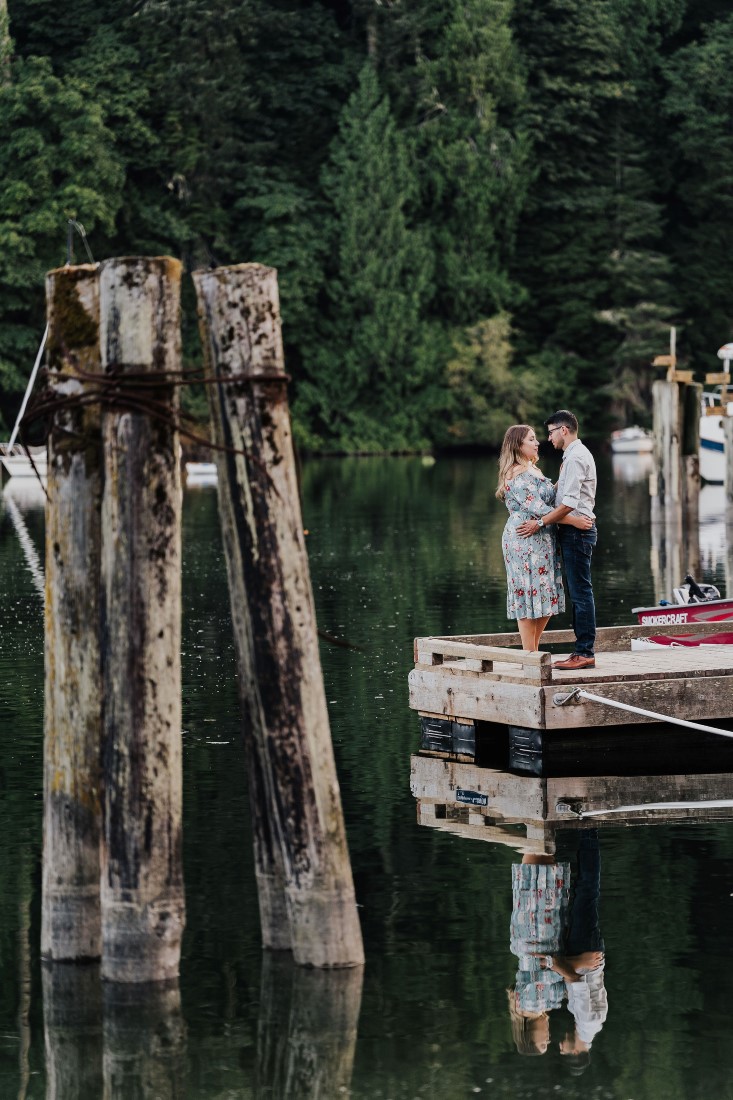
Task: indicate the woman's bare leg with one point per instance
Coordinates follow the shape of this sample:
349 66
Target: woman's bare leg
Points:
527 633
539 626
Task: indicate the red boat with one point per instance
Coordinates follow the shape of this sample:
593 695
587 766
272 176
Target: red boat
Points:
687 640
694 603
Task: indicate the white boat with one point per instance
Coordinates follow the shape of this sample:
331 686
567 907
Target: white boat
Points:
712 440
16 463
632 441
200 474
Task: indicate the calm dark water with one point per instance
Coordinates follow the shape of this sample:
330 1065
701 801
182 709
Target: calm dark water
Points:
398 548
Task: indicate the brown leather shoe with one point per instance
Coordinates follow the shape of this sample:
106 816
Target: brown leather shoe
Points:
575 662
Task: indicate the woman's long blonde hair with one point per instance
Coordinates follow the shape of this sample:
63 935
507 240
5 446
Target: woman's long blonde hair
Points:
509 456
524 1039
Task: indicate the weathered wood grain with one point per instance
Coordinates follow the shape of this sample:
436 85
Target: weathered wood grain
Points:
295 799
447 692
143 910
72 808
473 657
693 699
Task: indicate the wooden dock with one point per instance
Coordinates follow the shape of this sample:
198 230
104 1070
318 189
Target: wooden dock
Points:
526 812
460 684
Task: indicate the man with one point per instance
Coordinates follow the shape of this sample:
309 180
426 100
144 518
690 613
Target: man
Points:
576 493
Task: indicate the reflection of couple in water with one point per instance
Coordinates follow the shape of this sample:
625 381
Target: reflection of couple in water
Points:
557 940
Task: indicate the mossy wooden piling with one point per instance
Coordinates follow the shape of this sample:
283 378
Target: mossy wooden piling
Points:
142 879
71 920
296 806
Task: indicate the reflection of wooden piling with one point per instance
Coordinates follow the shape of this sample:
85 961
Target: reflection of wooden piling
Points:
70 927
307 1030
144 1042
292 771
72 1019
142 880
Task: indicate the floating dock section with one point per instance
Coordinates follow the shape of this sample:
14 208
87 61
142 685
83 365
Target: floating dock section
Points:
464 685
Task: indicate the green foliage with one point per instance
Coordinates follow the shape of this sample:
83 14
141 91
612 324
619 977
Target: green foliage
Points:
362 383
699 106
416 172
473 159
57 161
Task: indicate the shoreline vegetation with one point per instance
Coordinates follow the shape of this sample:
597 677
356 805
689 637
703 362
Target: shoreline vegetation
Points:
478 209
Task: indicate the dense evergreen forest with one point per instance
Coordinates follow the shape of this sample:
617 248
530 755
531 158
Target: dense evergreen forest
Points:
479 209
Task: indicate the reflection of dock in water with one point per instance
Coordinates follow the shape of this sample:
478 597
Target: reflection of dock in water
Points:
526 812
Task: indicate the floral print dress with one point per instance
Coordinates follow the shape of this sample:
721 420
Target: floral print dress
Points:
534 581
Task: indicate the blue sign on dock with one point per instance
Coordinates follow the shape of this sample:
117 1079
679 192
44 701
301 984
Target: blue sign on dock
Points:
472 797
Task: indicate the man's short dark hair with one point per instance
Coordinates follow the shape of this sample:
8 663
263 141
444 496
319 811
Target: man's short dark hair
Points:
562 416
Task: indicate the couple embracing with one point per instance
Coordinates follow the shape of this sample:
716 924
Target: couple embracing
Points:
541 515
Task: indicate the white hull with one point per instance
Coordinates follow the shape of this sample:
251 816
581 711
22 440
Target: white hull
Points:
19 465
712 453
631 441
201 473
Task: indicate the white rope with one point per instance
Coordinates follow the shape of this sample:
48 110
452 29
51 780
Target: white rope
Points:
28 389
713 803
580 694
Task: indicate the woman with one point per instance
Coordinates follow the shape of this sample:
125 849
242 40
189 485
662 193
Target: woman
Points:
535 590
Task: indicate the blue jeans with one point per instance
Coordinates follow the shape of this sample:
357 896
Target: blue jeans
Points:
577 550
583 930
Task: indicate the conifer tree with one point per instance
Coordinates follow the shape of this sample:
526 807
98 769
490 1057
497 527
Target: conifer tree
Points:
570 51
57 161
473 154
363 389
699 105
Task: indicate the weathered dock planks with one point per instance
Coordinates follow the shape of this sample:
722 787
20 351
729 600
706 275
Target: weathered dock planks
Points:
480 679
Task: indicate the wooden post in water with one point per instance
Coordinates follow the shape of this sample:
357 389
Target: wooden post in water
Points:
691 401
142 879
675 485
296 798
728 454
72 812
667 420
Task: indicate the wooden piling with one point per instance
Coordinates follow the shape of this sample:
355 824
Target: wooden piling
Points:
667 419
728 470
296 799
72 817
675 485
142 880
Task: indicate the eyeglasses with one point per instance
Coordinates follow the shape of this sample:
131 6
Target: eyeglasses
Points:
551 431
